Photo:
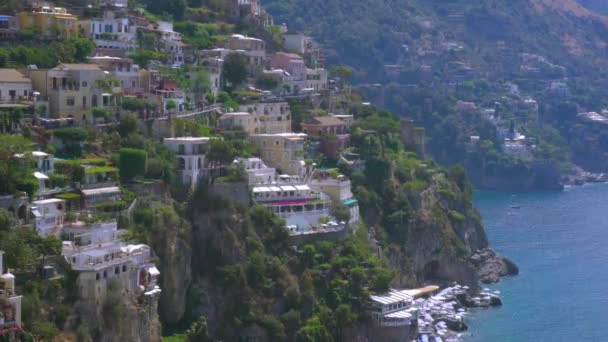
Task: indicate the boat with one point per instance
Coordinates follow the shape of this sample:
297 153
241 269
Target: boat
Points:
515 207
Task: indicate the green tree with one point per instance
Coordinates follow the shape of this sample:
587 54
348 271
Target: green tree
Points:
266 82
132 163
199 332
234 70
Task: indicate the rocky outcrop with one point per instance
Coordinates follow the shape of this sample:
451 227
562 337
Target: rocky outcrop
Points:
174 251
444 232
491 266
447 243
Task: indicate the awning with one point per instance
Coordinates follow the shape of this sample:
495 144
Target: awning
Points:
288 188
399 314
261 189
36 213
302 187
153 271
350 202
40 175
101 191
275 188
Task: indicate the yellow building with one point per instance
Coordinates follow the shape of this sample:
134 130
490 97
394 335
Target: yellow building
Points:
73 90
50 22
284 151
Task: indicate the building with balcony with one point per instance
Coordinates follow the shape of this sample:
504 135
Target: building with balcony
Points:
110 261
169 40
113 31
123 70
73 90
93 197
294 65
284 151
10 305
191 154
44 165
338 189
243 120
257 171
48 216
50 22
303 208
170 97
393 309
305 46
254 49
87 234
332 133
316 79
270 117
8 27
14 87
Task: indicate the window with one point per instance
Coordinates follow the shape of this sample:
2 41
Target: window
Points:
105 274
70 101
124 268
84 84
117 270
97 276
25 93
84 102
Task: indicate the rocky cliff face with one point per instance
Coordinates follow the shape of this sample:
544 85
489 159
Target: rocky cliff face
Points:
174 249
530 177
122 316
445 233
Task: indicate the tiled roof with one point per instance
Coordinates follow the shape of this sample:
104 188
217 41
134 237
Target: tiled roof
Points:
327 121
13 76
76 67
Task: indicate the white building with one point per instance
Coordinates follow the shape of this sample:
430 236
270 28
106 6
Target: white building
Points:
393 309
190 156
96 253
258 172
92 197
173 43
123 69
339 190
100 264
113 32
297 43
44 164
14 86
303 208
316 79
48 216
10 304
95 233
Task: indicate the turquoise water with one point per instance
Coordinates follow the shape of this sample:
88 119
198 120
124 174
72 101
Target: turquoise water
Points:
560 243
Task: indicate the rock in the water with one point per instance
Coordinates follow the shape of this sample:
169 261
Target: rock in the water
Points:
492 266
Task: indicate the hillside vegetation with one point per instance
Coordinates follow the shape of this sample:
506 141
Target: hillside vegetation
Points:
428 55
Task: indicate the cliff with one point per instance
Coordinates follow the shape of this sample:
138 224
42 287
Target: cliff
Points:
171 240
443 233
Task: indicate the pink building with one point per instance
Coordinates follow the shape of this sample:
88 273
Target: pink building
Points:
293 64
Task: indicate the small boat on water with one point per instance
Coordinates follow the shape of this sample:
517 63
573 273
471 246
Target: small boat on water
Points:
515 207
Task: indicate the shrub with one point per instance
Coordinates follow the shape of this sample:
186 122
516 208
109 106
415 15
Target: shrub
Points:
132 163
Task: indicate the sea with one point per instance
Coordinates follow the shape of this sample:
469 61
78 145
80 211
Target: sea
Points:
559 240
